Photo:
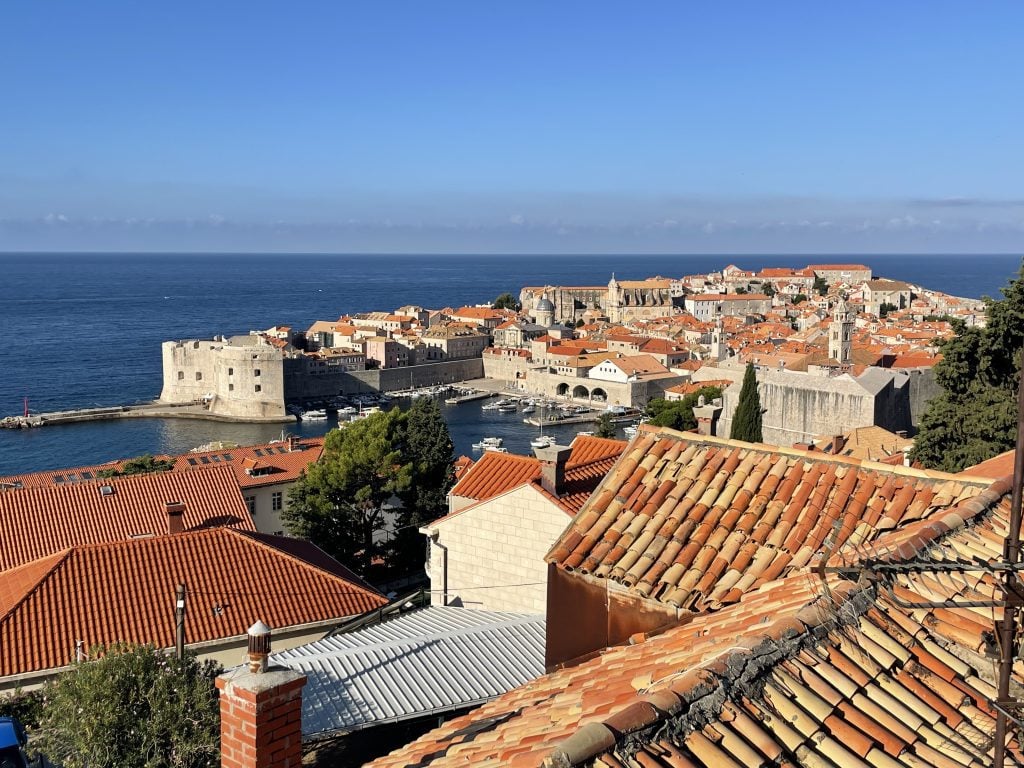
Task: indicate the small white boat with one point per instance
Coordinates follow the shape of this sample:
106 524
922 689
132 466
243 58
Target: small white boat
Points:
348 410
629 431
543 441
529 408
490 406
507 408
488 443
495 449
585 434
316 414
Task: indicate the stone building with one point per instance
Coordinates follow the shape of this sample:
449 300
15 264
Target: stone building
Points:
241 378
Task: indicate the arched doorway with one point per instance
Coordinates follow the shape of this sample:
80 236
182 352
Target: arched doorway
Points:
581 392
563 389
599 395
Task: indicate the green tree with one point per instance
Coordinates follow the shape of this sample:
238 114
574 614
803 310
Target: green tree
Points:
506 301
885 308
133 707
428 447
340 501
820 285
799 298
746 420
974 417
605 427
740 289
678 414
768 289
140 465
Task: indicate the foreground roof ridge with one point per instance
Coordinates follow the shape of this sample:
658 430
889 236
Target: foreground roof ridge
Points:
690 699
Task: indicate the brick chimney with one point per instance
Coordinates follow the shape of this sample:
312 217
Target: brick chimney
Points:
552 467
838 443
260 710
175 517
293 443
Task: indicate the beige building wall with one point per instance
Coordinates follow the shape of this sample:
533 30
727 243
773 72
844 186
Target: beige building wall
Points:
262 501
494 547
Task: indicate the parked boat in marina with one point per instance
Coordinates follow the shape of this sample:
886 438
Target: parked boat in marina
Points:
488 443
316 414
542 441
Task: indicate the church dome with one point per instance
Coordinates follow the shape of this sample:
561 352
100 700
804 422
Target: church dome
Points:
545 305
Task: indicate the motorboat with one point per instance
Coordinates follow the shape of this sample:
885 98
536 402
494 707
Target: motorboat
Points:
507 408
542 441
529 408
490 406
629 431
316 414
495 449
488 443
348 410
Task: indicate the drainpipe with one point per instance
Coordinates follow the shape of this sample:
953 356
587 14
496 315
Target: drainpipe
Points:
444 568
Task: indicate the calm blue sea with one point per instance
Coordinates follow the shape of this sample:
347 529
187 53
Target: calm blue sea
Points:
85 329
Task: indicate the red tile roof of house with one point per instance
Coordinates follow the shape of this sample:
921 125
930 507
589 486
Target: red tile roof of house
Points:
800 672
997 466
123 591
695 522
277 463
40 521
495 473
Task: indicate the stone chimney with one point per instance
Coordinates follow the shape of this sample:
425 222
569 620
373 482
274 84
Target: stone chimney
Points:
838 443
707 417
175 517
552 467
260 710
293 443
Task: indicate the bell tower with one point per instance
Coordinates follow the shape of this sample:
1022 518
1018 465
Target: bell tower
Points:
840 334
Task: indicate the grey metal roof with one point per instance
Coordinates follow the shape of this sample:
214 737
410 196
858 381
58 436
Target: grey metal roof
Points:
427 661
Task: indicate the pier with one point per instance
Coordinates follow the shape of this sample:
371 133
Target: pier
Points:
106 413
467 398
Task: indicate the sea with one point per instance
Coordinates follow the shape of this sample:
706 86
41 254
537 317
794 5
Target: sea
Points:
84 329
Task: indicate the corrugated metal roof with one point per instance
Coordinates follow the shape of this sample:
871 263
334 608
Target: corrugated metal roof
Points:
431 660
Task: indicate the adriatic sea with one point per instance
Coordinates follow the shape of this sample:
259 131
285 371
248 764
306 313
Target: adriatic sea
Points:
81 330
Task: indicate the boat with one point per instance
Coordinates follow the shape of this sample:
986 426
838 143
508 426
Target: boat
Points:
488 443
585 433
507 408
316 414
542 441
348 410
490 406
495 449
630 431
529 408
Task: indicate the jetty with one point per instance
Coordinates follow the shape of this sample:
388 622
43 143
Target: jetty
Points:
107 413
472 396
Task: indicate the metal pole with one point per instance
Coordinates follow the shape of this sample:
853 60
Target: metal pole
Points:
179 616
1006 629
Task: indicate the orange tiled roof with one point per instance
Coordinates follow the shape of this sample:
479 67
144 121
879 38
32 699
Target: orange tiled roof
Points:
695 521
799 672
495 473
279 465
123 591
40 521
997 466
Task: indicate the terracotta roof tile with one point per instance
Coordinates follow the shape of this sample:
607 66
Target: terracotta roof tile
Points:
495 473
741 514
232 577
41 521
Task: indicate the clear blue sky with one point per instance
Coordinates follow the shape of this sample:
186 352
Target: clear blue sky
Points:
481 126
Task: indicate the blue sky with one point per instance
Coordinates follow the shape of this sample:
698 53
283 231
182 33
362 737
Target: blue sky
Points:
550 127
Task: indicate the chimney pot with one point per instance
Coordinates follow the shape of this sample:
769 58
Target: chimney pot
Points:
175 517
259 647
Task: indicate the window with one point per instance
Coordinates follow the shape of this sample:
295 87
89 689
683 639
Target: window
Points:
231 371
227 457
216 458
250 502
258 451
181 375
275 501
192 462
258 388
204 459
199 375
256 372
231 387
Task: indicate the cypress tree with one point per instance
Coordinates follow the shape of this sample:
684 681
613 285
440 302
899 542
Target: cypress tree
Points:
746 420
